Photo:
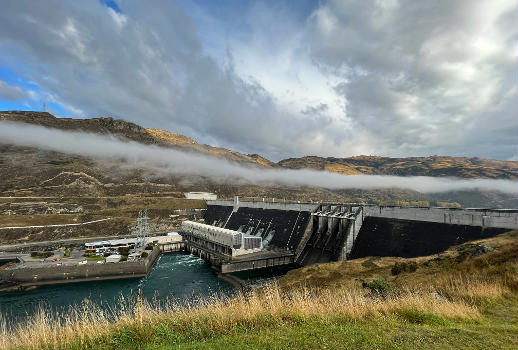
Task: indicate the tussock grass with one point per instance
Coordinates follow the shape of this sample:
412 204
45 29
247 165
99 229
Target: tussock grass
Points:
89 326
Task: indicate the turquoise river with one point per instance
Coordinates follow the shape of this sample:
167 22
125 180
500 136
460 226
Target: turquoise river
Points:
176 276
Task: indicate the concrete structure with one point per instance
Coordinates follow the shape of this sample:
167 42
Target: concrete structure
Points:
315 232
133 256
264 205
331 234
230 250
258 261
114 258
200 195
219 240
110 244
500 218
20 276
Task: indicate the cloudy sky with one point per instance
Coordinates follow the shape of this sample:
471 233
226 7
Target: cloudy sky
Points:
292 78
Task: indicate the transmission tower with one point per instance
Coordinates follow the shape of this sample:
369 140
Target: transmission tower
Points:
142 229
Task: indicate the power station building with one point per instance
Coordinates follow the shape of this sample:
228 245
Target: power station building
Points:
219 240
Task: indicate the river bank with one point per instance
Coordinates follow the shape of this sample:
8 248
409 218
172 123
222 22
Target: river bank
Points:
26 276
177 276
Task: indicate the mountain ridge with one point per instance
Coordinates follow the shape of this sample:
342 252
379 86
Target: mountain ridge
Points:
440 166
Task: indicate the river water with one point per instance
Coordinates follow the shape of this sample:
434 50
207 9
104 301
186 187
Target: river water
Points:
178 275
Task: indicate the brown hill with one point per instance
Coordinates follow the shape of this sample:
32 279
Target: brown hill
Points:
412 166
131 131
32 172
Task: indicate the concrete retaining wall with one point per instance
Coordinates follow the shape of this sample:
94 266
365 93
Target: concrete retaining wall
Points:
257 264
80 273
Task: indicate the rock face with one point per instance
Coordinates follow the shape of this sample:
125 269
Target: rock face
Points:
103 125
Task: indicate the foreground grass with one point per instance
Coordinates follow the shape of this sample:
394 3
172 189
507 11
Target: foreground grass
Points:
471 304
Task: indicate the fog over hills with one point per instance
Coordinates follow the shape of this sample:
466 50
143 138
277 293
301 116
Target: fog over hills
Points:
108 156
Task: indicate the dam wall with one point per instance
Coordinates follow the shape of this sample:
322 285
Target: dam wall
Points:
282 228
501 218
407 239
267 205
323 232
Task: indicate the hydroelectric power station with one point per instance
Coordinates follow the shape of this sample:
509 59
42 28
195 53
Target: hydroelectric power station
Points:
239 236
236 236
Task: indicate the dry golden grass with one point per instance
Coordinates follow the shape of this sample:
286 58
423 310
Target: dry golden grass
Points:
38 219
341 169
89 322
170 138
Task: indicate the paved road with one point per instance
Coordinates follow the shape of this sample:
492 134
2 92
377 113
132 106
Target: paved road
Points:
10 247
56 225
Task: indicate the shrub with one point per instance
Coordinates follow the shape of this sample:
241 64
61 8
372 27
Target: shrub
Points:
41 255
124 258
379 287
144 255
399 267
149 246
123 250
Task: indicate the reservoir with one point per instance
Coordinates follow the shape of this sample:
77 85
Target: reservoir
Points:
176 276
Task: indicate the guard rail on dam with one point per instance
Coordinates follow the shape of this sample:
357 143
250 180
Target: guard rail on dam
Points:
309 233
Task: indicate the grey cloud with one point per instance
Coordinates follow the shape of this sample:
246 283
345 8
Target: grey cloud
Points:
424 77
146 65
171 161
11 93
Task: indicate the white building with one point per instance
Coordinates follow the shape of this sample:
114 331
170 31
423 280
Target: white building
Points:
172 237
220 240
201 195
113 258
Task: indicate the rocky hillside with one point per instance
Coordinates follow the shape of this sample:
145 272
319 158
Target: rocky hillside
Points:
32 172
412 166
131 131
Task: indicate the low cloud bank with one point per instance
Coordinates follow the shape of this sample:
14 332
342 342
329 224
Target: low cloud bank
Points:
176 162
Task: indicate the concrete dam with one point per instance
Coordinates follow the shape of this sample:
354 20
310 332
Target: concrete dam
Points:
240 236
